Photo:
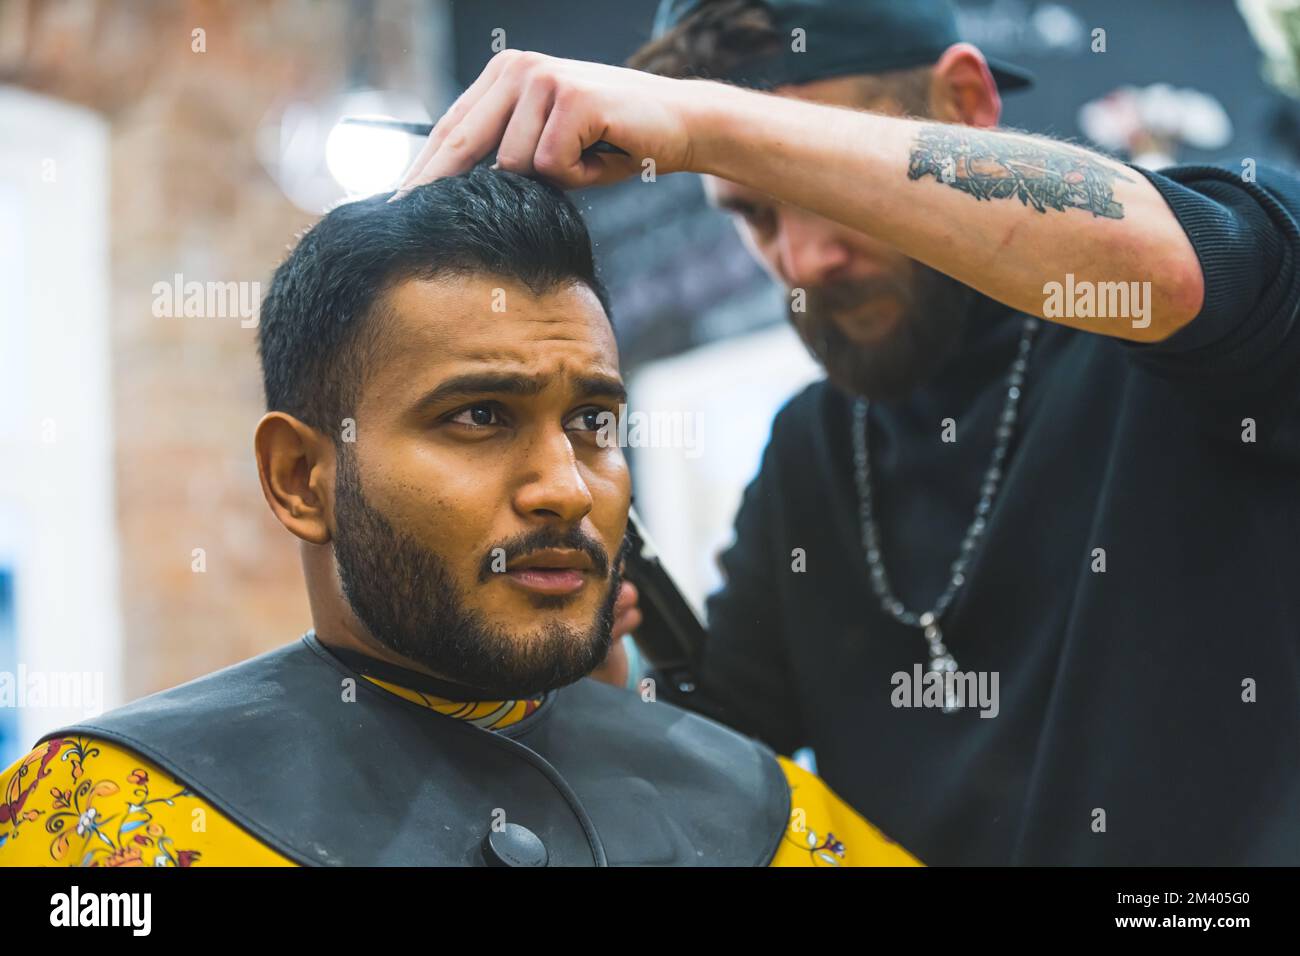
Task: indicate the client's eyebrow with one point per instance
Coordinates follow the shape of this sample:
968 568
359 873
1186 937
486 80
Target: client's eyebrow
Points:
476 384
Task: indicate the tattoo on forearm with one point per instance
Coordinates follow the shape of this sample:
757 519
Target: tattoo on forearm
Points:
1039 174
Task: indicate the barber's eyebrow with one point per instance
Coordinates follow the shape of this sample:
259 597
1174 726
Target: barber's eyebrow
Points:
732 204
742 207
475 384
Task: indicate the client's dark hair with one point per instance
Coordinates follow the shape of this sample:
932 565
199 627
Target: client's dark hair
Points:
319 325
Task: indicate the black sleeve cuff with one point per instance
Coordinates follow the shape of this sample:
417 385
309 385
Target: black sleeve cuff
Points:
1245 241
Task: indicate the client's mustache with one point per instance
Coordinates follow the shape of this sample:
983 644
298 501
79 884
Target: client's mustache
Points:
574 539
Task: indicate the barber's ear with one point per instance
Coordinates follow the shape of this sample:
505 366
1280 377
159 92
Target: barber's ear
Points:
962 88
296 465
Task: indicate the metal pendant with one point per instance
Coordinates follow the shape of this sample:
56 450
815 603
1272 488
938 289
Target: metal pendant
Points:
941 662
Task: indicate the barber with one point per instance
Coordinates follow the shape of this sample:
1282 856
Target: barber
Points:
1088 508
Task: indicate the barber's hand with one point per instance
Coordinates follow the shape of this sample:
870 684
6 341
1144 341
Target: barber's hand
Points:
540 112
627 613
627 618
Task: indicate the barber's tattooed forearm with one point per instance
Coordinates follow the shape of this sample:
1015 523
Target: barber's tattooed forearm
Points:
992 166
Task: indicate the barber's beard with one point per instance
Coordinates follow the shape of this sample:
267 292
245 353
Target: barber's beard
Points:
934 309
406 597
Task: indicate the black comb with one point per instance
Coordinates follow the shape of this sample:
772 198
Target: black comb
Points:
424 129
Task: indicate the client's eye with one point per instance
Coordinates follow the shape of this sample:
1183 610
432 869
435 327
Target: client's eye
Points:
478 416
589 419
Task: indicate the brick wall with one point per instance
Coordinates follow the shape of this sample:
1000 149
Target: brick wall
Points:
189 196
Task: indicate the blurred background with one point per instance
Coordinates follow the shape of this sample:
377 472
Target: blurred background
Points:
152 144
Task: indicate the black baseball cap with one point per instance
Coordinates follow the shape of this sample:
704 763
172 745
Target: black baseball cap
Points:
845 37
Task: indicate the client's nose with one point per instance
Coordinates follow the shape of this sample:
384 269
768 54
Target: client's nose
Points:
552 486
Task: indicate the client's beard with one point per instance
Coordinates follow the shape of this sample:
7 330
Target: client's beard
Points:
404 594
934 309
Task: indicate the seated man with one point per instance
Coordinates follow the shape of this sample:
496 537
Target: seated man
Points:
435 370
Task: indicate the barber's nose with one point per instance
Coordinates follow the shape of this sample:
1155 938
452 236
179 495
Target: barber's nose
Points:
553 487
808 253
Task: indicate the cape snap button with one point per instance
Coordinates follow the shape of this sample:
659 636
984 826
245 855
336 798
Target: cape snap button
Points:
514 846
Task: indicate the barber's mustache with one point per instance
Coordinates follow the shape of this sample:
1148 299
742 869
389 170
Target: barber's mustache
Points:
524 544
832 297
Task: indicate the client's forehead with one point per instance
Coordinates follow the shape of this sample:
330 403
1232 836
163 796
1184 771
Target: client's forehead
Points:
436 328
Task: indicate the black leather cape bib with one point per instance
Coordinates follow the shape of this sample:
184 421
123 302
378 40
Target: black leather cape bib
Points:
328 769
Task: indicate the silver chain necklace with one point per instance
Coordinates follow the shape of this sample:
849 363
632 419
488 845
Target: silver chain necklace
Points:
941 659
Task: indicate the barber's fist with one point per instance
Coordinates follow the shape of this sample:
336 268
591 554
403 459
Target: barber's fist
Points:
540 112
627 618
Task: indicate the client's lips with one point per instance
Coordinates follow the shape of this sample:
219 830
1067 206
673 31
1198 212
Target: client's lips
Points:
553 571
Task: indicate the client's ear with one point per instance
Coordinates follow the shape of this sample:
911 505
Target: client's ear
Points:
296 465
